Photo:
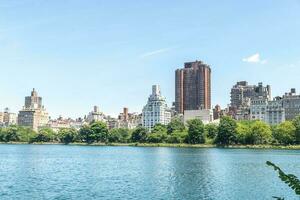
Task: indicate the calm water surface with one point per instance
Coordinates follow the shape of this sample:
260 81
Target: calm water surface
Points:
86 172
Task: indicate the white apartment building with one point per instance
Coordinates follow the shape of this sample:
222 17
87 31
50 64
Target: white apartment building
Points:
271 112
258 108
275 113
156 110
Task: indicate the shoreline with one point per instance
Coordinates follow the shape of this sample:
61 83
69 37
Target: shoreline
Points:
283 147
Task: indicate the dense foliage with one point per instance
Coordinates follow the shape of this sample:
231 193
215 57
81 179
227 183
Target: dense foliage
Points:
227 132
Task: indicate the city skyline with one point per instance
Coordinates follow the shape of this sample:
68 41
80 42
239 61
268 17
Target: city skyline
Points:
85 56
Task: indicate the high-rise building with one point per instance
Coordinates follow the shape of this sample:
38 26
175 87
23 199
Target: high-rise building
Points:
291 104
193 87
156 110
33 114
241 93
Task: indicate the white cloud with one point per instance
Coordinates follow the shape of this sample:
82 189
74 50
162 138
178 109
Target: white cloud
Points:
254 59
155 52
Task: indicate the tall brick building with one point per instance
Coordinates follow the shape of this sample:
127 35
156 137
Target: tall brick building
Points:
193 87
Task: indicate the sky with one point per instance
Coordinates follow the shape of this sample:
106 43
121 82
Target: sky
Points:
81 53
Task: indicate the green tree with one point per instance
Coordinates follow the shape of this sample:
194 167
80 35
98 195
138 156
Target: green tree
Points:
86 134
139 134
175 125
11 134
100 131
121 135
296 123
260 133
196 134
157 137
68 135
177 137
211 130
285 133
243 131
158 134
44 135
226 131
26 134
159 128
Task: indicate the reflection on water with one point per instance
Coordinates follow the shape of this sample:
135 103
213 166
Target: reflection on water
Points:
83 172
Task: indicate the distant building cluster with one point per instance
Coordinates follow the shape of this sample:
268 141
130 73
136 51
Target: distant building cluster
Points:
192 101
251 102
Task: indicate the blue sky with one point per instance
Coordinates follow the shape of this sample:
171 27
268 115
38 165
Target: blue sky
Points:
80 53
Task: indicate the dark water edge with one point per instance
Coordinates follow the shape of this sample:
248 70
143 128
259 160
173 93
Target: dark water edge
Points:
114 172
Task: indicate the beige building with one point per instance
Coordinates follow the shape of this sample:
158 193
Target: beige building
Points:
33 114
95 115
128 120
205 115
7 118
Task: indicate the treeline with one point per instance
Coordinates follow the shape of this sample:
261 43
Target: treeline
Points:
228 132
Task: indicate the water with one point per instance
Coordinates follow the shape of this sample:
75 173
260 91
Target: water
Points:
87 172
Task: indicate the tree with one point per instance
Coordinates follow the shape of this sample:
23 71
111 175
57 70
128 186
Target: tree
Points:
26 134
159 128
157 137
11 134
260 133
139 134
158 134
175 125
44 135
296 123
121 135
86 134
177 137
196 133
285 133
68 135
226 131
211 130
243 131
100 131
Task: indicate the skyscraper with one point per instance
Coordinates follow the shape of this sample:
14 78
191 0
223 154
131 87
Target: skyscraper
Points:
33 114
193 87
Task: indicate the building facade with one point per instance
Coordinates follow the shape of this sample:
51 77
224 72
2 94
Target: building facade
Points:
271 112
241 97
129 120
156 110
7 118
205 115
258 108
242 92
291 104
95 115
33 114
193 87
275 112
